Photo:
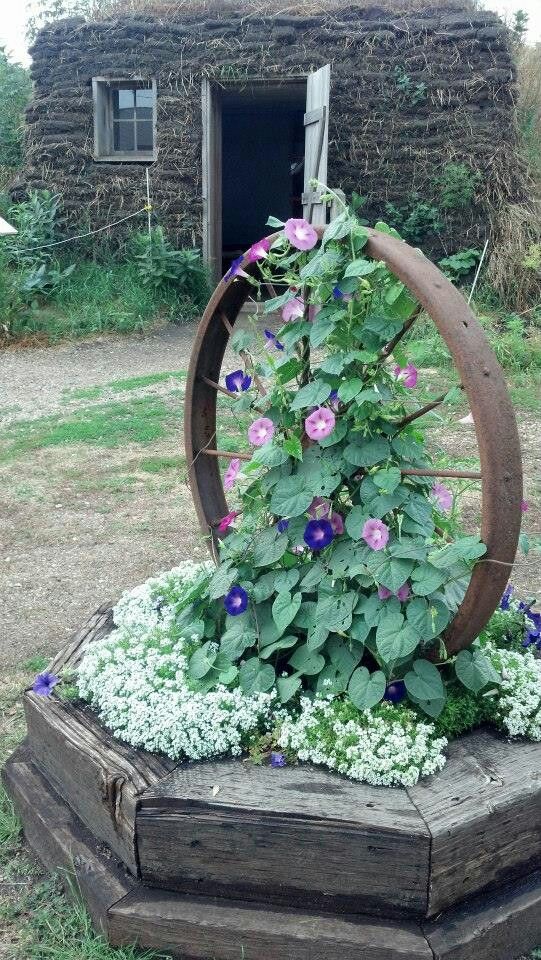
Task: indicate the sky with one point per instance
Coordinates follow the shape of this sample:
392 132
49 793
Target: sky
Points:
13 18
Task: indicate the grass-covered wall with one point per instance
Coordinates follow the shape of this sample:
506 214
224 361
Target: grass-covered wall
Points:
421 118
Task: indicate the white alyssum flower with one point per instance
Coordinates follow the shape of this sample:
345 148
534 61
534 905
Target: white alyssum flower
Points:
155 602
138 685
375 747
136 678
518 706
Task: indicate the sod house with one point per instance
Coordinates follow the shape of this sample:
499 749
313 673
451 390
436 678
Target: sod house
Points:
234 111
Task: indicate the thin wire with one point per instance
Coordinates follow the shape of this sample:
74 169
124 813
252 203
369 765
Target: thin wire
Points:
80 236
149 205
476 278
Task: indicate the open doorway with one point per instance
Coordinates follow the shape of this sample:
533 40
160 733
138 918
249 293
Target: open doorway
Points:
262 162
261 144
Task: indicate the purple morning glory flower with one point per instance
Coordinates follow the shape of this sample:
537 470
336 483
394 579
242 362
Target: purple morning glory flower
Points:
277 759
235 270
337 293
318 534
505 602
236 601
237 381
333 401
282 525
395 691
44 683
272 341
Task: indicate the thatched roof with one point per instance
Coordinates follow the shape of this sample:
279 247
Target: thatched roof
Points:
178 10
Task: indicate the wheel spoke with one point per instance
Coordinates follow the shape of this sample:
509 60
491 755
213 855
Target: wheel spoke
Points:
226 392
219 388
245 356
389 347
420 472
422 410
228 454
458 474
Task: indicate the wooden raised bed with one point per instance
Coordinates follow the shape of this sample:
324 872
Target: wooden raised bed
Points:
283 864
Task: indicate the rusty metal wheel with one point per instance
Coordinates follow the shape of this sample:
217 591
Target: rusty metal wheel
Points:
481 378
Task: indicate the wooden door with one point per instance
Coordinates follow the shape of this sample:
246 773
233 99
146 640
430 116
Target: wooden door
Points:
316 127
212 178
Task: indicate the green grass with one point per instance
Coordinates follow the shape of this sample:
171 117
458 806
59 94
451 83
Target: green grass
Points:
161 464
46 922
147 380
36 663
84 393
516 343
141 420
122 386
526 391
98 298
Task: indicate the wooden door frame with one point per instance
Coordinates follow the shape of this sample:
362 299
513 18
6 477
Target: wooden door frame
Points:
211 161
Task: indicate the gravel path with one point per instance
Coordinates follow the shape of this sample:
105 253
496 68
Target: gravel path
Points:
73 531
33 381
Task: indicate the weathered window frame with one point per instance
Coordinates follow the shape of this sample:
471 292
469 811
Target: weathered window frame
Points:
102 89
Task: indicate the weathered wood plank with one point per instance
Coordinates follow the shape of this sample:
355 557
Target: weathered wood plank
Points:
497 926
297 835
96 627
60 841
196 928
97 775
484 814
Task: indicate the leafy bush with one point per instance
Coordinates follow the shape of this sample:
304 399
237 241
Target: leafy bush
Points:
35 220
160 265
44 280
413 92
42 293
16 88
456 185
459 264
414 219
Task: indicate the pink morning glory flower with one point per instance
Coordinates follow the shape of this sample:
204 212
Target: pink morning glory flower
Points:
442 496
408 375
226 521
293 309
403 592
337 523
300 234
375 534
260 431
230 474
524 506
320 423
319 508
259 250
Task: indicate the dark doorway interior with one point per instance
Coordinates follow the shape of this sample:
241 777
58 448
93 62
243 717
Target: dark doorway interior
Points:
262 162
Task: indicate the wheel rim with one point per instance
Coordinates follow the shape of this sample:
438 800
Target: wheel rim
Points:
484 385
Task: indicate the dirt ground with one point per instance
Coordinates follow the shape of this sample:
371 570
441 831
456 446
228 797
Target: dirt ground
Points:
82 522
